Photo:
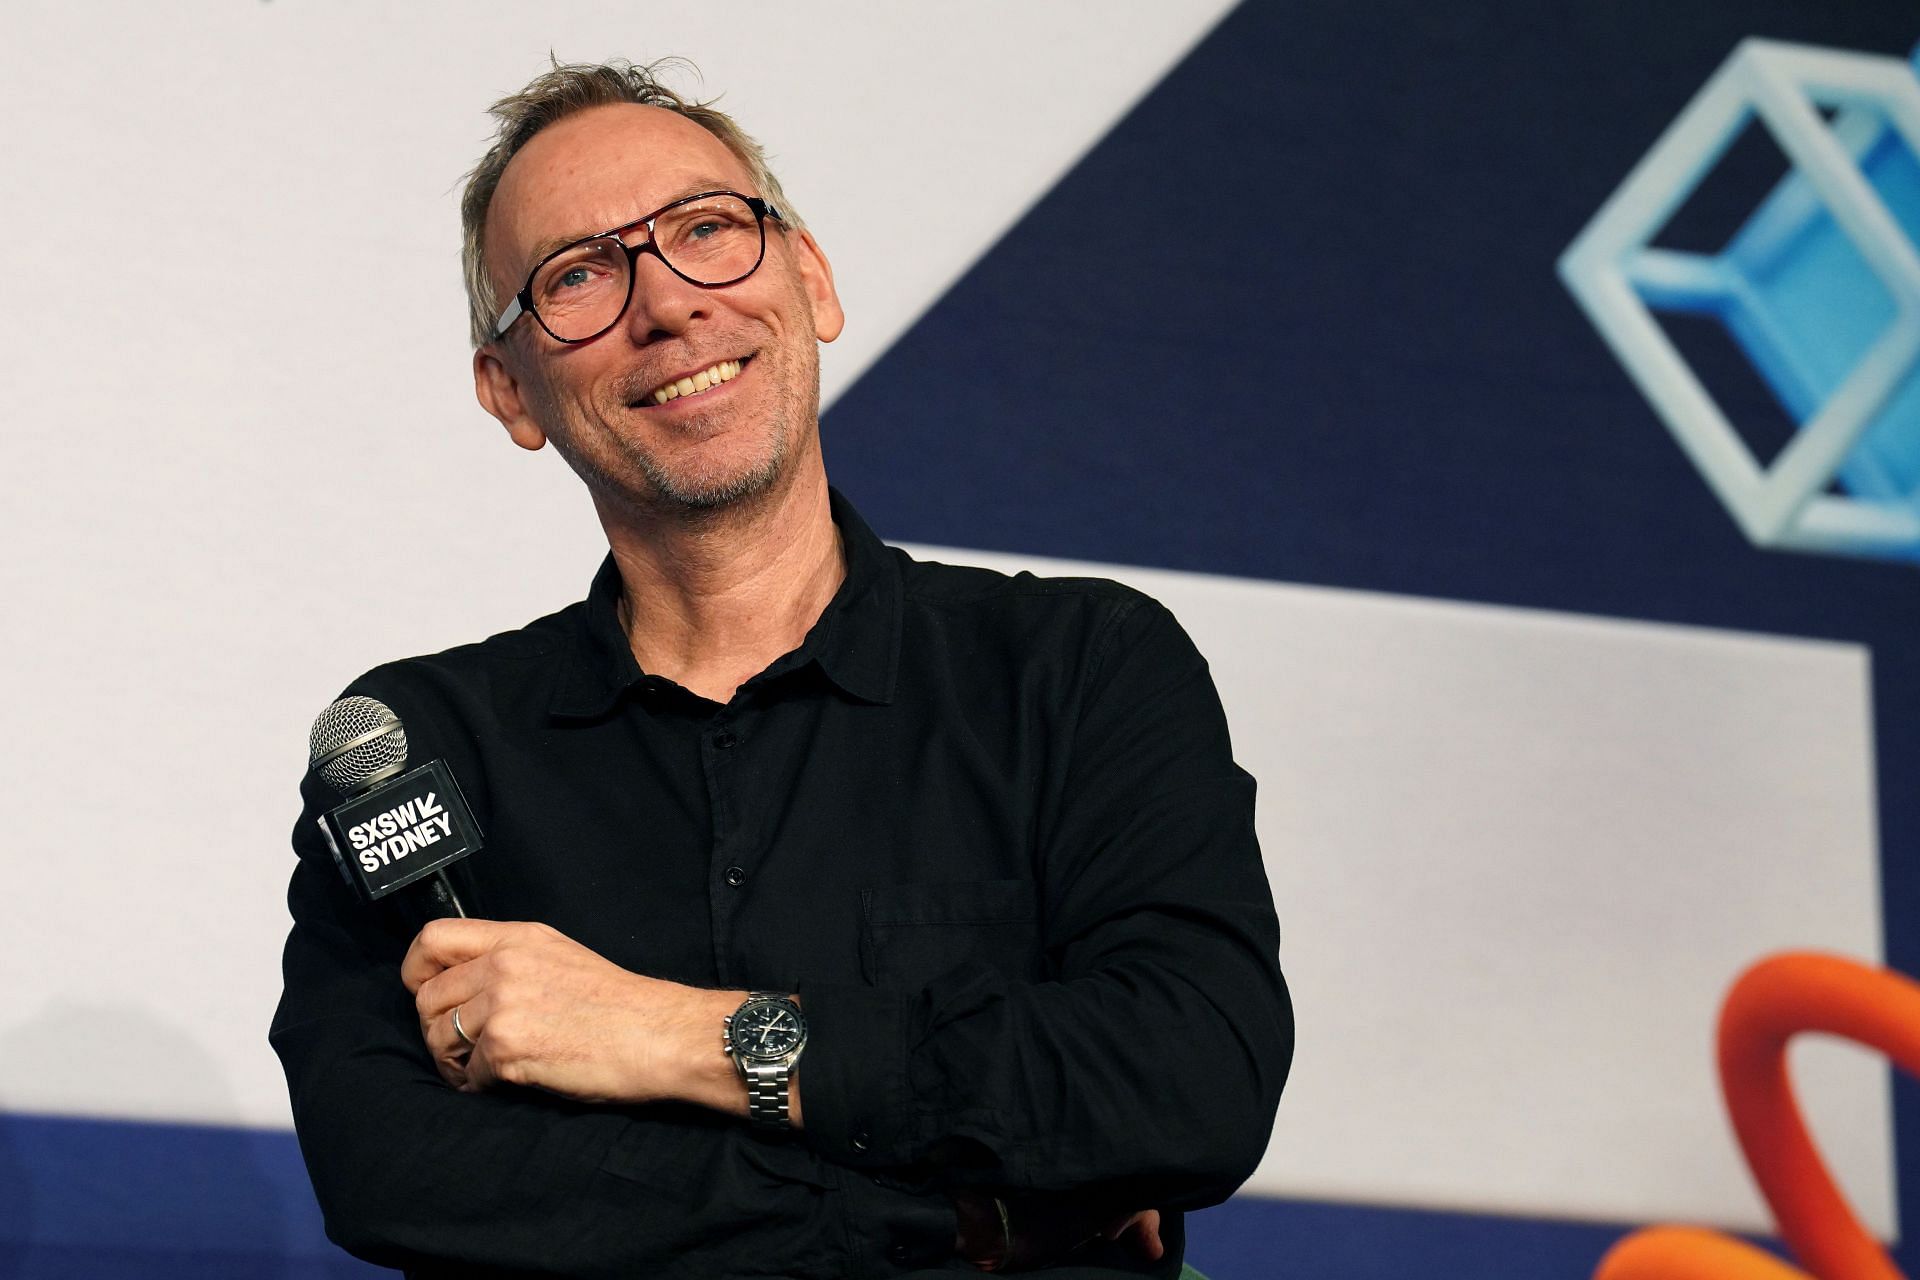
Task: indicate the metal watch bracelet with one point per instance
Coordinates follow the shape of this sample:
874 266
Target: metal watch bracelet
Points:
767 1094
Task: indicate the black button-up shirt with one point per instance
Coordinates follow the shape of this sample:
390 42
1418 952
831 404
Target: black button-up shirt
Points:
988 828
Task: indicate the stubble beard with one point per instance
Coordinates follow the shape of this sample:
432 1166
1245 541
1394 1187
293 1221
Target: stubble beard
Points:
713 490
693 490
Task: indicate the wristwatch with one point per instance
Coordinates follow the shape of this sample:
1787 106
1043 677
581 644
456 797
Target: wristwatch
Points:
764 1036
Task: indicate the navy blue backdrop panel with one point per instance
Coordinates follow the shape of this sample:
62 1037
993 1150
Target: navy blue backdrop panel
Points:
1297 318
84 1199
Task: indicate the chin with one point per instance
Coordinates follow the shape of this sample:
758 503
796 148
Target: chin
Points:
714 488
723 471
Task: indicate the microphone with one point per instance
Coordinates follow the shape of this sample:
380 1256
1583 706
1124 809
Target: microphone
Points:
393 828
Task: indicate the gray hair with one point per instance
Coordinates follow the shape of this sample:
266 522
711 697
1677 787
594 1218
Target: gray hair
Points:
554 95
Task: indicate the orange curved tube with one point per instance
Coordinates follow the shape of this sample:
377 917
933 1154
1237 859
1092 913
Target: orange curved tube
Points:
1690 1253
1771 1002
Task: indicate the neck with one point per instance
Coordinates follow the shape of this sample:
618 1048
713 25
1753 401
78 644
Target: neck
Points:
711 598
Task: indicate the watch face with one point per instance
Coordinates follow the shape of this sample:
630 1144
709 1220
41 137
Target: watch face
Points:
766 1031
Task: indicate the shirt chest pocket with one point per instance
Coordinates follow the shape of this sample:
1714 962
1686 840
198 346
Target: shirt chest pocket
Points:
912 933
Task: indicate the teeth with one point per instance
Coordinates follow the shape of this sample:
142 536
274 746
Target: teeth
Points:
725 371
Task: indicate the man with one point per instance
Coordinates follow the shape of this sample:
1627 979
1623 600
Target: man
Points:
957 866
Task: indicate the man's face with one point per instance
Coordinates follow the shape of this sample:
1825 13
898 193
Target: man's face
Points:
595 400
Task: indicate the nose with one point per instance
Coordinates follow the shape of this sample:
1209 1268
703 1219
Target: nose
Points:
663 305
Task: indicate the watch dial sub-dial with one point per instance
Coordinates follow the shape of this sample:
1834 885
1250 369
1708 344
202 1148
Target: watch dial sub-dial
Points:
766 1031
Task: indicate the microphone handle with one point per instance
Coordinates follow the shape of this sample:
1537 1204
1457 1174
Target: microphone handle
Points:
446 902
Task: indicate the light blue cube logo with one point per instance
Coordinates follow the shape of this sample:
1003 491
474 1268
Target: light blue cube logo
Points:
1820 287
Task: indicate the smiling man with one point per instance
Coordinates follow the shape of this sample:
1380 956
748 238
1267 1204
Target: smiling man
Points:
841 914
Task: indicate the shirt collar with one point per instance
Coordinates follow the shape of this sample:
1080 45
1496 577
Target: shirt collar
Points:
855 643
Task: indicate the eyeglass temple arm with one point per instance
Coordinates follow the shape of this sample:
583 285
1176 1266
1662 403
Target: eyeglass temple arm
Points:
507 317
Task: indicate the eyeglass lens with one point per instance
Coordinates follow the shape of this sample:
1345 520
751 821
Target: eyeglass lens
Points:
581 291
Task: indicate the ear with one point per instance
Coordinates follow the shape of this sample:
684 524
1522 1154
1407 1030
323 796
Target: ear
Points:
816 276
498 391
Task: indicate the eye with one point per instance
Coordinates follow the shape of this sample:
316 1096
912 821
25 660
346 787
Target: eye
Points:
579 276
711 225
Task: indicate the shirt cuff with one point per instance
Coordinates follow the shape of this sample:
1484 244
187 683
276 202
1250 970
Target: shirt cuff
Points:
853 1075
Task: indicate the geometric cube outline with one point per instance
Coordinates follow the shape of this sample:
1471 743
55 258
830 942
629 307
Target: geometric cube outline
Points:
1612 270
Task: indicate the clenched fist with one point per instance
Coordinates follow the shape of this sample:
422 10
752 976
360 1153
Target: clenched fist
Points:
544 1011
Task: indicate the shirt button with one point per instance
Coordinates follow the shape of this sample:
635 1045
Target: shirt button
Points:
900 1254
736 876
724 739
862 1139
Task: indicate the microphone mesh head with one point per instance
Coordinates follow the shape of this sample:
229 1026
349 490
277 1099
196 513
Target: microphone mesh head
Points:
369 761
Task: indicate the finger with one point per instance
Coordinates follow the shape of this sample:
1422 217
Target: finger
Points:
452 1056
451 987
480 1069
454 1072
441 944
452 1066
1144 1235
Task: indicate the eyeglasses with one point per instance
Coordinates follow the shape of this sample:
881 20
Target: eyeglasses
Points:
580 291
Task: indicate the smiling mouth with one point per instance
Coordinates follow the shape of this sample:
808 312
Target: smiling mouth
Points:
694 384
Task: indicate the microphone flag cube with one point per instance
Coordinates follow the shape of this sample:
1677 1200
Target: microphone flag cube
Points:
401 831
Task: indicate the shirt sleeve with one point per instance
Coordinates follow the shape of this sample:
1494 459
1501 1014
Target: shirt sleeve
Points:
411 1173
1152 1060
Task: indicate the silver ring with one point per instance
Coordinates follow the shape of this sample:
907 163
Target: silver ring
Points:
459 1030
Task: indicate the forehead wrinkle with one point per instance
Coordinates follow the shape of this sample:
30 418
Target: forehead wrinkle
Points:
554 243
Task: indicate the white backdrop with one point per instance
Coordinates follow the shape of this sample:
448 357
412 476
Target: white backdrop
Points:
236 384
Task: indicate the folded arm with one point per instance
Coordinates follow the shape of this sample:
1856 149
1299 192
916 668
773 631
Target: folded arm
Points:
1143 1075
1151 1068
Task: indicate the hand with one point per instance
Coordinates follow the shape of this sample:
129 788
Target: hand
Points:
544 1011
1036 1243
1044 1233
1139 1232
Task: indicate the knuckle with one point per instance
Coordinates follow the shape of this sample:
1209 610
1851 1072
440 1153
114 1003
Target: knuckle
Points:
504 1030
